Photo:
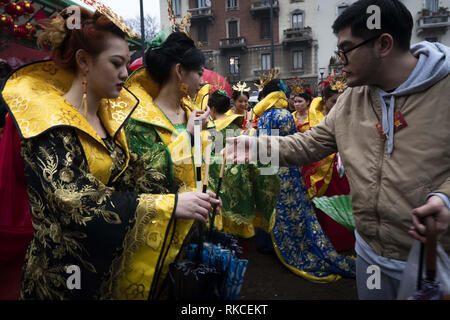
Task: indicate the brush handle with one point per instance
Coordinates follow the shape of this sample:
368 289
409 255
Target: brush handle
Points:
431 248
198 183
219 185
207 163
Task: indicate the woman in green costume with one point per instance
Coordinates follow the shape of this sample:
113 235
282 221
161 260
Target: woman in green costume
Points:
159 134
249 198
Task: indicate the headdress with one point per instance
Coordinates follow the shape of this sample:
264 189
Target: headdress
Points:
223 93
185 24
218 84
57 28
266 77
338 82
297 86
241 87
116 19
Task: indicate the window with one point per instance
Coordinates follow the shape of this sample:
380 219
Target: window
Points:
176 7
264 28
341 9
234 65
202 34
297 20
232 4
201 4
232 29
297 59
265 62
264 3
432 5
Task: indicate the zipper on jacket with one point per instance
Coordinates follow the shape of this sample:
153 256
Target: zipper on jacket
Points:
380 165
376 105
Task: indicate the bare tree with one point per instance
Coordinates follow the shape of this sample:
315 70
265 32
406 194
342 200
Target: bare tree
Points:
150 24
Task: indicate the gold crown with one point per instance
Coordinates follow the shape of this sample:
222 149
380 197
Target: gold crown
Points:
185 24
241 87
266 77
338 82
116 19
296 86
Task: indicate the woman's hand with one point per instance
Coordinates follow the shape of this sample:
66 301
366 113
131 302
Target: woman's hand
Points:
196 205
202 115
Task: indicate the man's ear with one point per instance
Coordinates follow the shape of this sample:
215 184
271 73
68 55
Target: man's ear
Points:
385 45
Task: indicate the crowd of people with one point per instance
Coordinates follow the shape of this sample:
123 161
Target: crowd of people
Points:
97 166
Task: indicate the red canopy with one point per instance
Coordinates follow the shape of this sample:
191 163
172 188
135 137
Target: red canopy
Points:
217 81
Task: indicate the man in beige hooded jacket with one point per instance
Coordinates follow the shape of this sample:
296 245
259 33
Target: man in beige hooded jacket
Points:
392 130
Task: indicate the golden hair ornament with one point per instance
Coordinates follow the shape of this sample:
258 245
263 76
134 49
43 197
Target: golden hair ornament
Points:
297 86
338 82
266 77
241 87
116 19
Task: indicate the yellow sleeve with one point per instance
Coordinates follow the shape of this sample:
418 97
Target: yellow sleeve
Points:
144 246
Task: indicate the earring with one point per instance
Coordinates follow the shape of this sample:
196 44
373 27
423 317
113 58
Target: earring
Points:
184 88
84 100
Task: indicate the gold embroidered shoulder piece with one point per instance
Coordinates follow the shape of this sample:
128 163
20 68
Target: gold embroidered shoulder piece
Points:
34 97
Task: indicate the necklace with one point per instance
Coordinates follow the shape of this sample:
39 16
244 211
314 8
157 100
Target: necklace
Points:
301 116
174 116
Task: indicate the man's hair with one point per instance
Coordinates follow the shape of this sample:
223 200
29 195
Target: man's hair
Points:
395 20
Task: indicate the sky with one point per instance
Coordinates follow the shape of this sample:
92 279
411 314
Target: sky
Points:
131 8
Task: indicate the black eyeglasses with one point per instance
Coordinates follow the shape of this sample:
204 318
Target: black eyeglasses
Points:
341 54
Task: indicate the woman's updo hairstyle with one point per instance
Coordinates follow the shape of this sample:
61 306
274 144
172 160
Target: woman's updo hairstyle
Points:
177 48
305 95
220 102
327 92
236 94
271 86
65 42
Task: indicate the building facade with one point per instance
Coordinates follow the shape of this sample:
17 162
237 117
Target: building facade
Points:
235 35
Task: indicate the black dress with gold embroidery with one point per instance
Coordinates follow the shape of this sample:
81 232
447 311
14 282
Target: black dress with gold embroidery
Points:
89 211
79 222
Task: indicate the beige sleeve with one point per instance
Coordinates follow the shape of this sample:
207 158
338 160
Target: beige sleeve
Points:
301 148
444 188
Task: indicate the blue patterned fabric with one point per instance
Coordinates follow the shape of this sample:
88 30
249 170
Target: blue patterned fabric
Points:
297 235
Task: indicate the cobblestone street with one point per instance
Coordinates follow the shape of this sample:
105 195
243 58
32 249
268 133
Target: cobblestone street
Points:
268 279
